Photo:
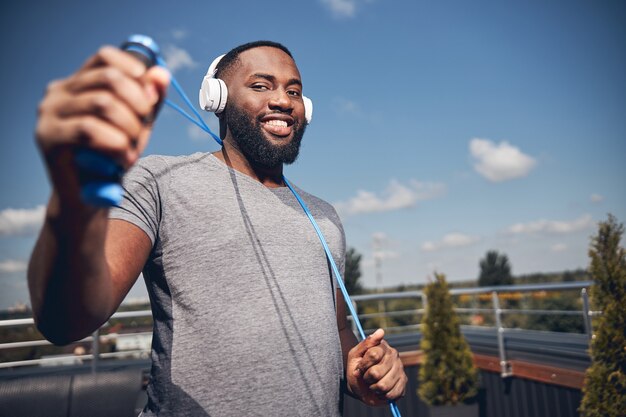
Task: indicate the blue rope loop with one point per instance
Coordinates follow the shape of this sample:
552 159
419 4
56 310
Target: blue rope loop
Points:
198 121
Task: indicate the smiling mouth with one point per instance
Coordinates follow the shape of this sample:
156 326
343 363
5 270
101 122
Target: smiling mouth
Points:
277 127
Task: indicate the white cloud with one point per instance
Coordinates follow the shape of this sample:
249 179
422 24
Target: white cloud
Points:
499 162
177 58
179 34
380 255
596 198
380 236
451 240
344 106
12 265
341 8
552 226
395 197
196 134
558 247
14 222
385 254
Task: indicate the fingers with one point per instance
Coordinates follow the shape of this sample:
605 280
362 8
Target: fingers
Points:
388 378
160 78
112 56
104 106
374 355
157 78
380 370
94 133
369 342
95 120
137 97
397 391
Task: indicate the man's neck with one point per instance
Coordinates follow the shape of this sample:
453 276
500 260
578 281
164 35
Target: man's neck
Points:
232 156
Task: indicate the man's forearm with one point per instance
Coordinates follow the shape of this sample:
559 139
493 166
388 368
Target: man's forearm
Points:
348 341
68 276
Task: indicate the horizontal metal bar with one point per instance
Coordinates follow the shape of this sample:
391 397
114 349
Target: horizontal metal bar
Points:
87 357
124 353
16 322
131 314
43 342
387 296
41 361
117 315
387 329
390 314
548 312
29 343
480 290
523 288
473 310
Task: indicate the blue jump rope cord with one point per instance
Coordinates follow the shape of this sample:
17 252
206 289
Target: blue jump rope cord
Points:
198 121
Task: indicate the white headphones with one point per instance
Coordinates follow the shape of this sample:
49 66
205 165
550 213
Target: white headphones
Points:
214 93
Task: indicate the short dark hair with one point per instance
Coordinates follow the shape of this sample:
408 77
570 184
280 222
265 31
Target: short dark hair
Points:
232 57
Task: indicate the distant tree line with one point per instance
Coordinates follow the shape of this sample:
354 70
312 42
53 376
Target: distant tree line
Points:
495 270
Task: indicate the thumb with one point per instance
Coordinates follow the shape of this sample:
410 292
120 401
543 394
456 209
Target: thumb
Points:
156 81
160 78
369 342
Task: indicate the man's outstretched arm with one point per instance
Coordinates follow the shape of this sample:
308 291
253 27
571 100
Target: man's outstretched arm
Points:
83 264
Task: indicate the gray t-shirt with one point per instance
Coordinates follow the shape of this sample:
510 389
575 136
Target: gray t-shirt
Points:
241 292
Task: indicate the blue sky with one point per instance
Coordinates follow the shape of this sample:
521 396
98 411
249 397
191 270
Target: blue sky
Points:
441 129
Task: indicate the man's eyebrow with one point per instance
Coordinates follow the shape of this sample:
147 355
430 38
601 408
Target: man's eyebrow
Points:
272 79
294 81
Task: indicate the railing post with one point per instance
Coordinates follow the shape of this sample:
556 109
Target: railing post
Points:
424 306
586 313
505 369
95 350
354 319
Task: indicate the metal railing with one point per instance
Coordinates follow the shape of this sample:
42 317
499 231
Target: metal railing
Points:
96 338
496 310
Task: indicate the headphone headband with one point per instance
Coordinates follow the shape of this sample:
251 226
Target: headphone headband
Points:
213 67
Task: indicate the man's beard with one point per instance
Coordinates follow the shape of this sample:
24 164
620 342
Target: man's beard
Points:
252 142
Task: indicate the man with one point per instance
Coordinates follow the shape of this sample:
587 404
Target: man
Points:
243 300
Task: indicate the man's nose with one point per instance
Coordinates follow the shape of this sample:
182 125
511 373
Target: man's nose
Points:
280 100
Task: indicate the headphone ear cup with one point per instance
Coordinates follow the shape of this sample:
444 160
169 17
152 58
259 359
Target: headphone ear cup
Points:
308 109
213 94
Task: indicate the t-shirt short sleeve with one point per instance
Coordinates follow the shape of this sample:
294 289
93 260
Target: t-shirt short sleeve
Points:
141 204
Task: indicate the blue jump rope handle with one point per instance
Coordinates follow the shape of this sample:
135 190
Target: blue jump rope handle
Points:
100 175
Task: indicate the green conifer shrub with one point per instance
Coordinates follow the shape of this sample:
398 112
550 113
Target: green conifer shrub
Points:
447 375
604 392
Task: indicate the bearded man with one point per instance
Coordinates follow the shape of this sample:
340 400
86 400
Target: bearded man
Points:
247 317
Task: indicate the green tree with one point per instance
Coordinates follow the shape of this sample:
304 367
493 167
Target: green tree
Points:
352 273
565 300
604 393
447 375
495 269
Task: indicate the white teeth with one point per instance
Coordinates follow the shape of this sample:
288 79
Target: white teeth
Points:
281 123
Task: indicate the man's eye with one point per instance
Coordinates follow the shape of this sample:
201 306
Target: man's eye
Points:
259 87
294 93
